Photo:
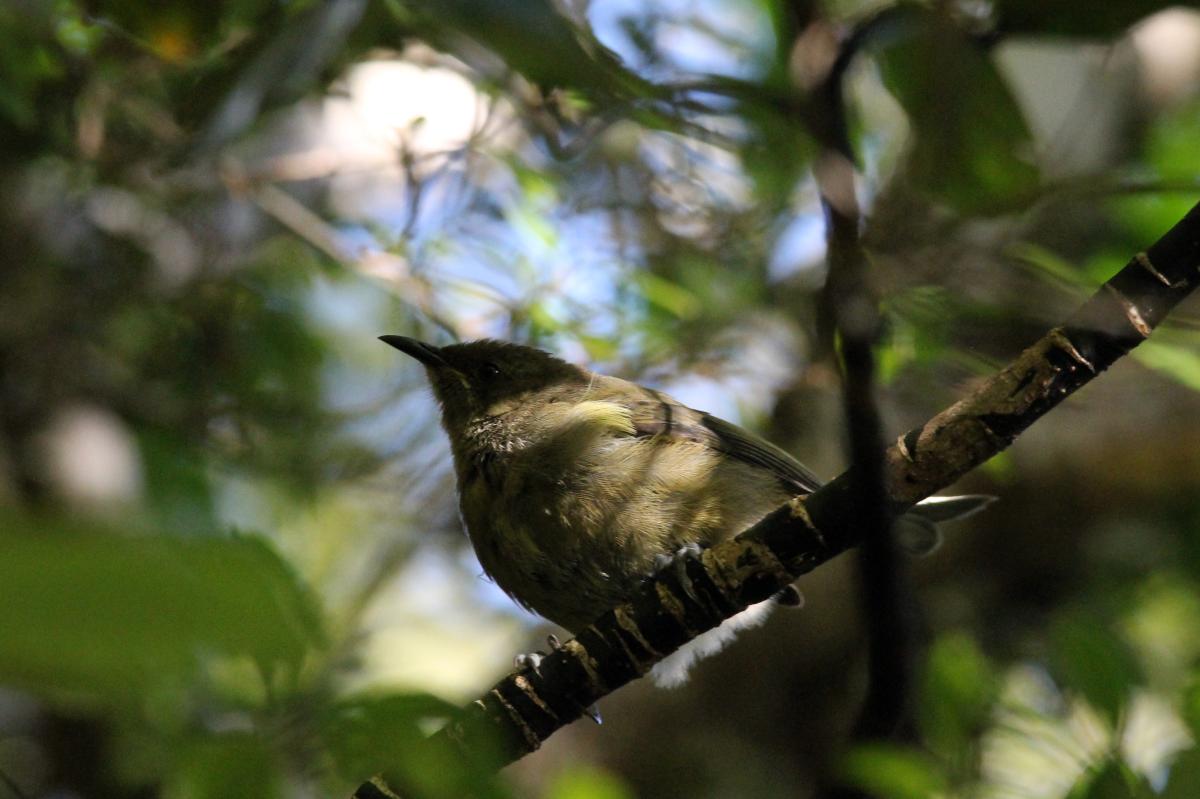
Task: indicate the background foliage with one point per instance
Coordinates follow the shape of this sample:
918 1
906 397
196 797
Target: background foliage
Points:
230 562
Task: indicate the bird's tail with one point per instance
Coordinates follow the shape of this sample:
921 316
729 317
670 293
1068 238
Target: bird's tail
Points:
917 531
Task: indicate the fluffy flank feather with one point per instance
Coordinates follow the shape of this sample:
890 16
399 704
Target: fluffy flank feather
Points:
672 671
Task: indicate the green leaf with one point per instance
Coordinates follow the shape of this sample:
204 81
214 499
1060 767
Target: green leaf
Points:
388 734
97 614
224 767
366 734
1091 659
890 772
971 147
1180 362
959 689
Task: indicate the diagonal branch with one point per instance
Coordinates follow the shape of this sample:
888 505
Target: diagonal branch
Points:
526 707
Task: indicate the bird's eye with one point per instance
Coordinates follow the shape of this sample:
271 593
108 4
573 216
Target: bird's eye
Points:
490 370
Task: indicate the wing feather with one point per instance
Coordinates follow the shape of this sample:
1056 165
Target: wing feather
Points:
662 416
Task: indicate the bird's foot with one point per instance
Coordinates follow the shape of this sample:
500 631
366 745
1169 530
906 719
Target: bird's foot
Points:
530 661
679 561
678 558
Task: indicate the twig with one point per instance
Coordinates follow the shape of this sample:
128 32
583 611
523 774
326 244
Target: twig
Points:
292 214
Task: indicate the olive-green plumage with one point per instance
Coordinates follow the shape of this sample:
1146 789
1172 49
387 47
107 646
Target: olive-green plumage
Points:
571 483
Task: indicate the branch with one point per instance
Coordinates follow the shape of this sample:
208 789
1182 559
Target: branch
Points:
526 707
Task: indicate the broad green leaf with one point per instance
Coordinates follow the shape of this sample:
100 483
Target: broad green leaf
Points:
971 147
98 614
388 734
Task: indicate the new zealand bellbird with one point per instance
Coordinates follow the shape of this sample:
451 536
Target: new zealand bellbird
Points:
574 486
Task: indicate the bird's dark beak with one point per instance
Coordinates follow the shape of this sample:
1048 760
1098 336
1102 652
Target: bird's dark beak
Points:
427 354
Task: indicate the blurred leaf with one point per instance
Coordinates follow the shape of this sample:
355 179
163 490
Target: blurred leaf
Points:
1191 705
1184 781
1178 361
1053 268
1090 659
28 63
366 734
587 782
1172 156
959 689
1114 780
1001 467
1073 17
889 772
971 148
669 296
100 614
177 483
1160 625
535 39
1171 146
388 734
225 767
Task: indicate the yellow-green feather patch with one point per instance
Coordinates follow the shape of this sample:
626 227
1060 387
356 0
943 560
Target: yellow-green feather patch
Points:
607 415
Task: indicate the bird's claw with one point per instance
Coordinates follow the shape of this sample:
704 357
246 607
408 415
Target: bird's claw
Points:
528 661
678 557
679 561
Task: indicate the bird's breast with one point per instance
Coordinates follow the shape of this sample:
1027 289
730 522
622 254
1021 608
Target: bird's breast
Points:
569 528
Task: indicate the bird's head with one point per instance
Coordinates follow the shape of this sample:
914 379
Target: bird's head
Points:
478 379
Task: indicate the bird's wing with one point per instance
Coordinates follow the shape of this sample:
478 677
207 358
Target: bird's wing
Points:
660 415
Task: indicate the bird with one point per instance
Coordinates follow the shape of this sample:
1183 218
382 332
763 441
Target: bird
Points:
575 487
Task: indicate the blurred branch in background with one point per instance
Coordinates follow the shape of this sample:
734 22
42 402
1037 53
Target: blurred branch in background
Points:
210 212
887 600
